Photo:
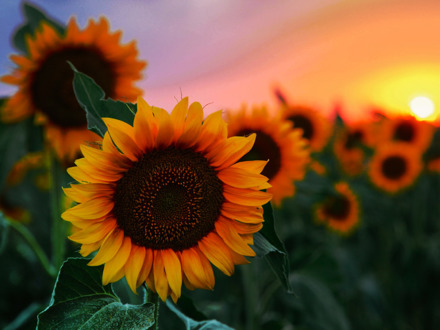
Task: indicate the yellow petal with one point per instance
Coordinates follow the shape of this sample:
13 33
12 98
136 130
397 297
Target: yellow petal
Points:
92 209
231 238
231 151
178 116
133 266
217 252
146 267
165 134
195 270
123 137
114 266
110 246
214 130
240 178
145 126
246 214
173 269
94 233
160 277
243 196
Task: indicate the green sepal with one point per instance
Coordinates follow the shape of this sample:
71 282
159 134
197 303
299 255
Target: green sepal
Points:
191 324
91 98
267 244
79 300
33 16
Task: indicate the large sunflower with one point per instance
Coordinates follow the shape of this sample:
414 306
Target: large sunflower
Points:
406 129
339 211
277 142
395 166
316 128
164 198
44 80
348 146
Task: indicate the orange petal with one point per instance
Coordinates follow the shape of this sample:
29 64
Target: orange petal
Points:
243 196
123 137
160 277
217 252
109 247
178 116
114 266
173 269
145 126
197 272
240 178
231 237
133 267
146 267
231 151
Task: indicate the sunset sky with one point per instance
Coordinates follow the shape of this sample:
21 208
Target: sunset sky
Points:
357 54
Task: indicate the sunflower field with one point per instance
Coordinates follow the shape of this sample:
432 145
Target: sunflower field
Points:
118 214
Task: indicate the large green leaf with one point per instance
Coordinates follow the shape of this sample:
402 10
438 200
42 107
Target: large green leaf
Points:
91 98
33 16
191 324
268 245
79 300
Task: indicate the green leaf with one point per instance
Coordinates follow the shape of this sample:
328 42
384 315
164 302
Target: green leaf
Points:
79 300
268 244
4 231
191 324
320 308
34 16
91 98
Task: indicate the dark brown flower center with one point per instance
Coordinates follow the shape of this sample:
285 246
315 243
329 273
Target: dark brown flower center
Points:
404 132
337 207
264 148
353 139
394 167
170 199
51 87
304 123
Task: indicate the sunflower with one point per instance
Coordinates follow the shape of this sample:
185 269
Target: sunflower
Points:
339 211
44 80
395 166
13 212
316 128
406 129
165 197
348 146
277 142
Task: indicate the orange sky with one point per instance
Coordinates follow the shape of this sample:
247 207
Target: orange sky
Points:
364 53
225 53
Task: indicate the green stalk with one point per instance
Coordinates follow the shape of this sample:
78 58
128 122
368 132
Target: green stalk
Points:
153 298
58 226
30 239
250 295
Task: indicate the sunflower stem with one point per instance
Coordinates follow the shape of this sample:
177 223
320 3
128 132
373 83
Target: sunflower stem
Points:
153 298
38 250
58 227
251 295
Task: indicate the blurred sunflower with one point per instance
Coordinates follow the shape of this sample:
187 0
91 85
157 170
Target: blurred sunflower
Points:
395 166
165 197
316 128
339 211
277 142
406 129
348 146
14 212
44 80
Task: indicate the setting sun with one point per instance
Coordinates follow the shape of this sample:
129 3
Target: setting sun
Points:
422 107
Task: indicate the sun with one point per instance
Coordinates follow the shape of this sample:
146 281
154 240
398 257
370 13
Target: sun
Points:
422 107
